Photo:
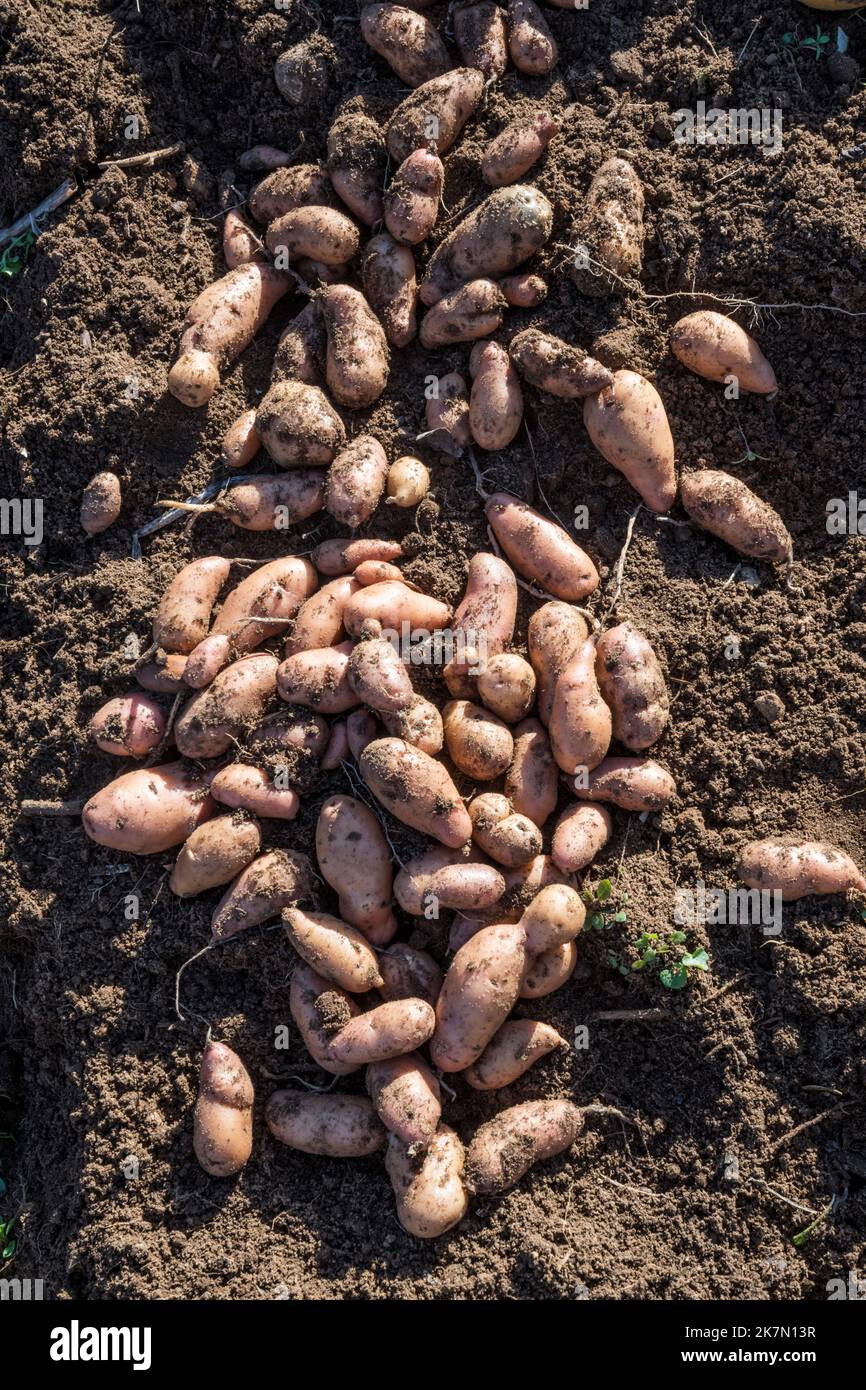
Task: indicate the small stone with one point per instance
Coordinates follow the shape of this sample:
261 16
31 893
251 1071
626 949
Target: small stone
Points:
843 69
768 704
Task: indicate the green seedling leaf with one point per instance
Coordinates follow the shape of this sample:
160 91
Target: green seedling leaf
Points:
678 938
674 979
596 921
8 1250
604 890
698 960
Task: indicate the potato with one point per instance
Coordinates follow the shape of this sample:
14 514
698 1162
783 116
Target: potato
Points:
532 781
717 348
298 426
531 45
408 42
435 112
635 784
555 916
285 190
628 425
408 483
389 1030
723 505
540 549
378 676
478 743
254 610
318 233
408 973
219 324
241 442
206 661
341 556
633 685
580 722
798 868
449 880
507 686
273 881
266 157
478 994
304 71
471 311
354 859
130 726
507 1146
611 231
318 680
240 243
483 623
556 633
319 1010
556 367
479 31
223 1119
415 789
337 750
496 400
405 1095
330 1125
411 200
392 604
357 356
523 291
101 502
516 1047
581 833
335 950
508 837
266 503
247 788
388 271
447 409
362 727
300 354
378 571
356 481
356 163
418 723
163 675
549 971
320 619
512 153
509 226
150 809
429 1188
287 737
238 697
214 854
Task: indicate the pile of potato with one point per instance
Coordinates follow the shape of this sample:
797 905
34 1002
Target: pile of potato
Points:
300 665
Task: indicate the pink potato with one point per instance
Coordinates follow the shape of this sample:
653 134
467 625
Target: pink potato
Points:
265 502
507 836
549 971
717 348
449 878
405 1094
318 680
235 700
246 788
724 506
331 1125
214 854
798 868
580 722
223 1122
354 859
316 233
283 190
516 1047
388 1030
581 833
319 1010
343 555
258 608
428 1187
298 425
184 612
416 789
635 784
411 200
240 243
219 324
507 1146
443 105
479 31
478 994
150 809
378 676
320 619
447 409
555 916
130 726
532 781
512 153
507 686
631 681
478 743
408 42
555 635
483 623
334 949
356 163
540 549
610 235
524 291
471 311
557 367
531 44
101 502
496 400
628 425
511 225
392 604
241 441
164 675
388 271
357 358
356 481
275 880
418 723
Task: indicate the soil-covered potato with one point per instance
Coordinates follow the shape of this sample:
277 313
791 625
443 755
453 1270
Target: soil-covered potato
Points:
483 623
214 854
416 789
717 348
388 270
628 425
101 501
635 784
540 549
356 481
235 700
610 235
298 425
581 833
317 233
354 859
151 809
443 106
722 504
631 681
507 836
509 227
273 881
223 1122
431 1197
479 992
496 400
512 153
469 312
409 43
356 363
516 1047
406 1097
411 200
506 1147
478 742
480 34
284 190
531 44
559 368
555 634
357 160
532 780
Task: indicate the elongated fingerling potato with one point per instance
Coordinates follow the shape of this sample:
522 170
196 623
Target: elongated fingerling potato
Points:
717 348
273 881
632 684
319 622
450 880
356 163
496 400
508 227
508 837
356 481
214 854
219 324
478 994
298 426
354 858
259 606
483 622
357 360
531 44
556 633
283 190
184 612
378 676
512 153
798 868
388 271
247 788
436 111
541 550
319 233
506 1147
130 726
471 311
559 368
408 42
331 1125
150 809
411 200
405 1095
532 780
628 425
431 1197
223 1121
389 1030
318 680
721 504
241 442
580 722
479 31
549 971
335 950
512 1050
392 604
447 409
236 699
319 1009
416 789
581 833
343 555
610 235
164 675
635 784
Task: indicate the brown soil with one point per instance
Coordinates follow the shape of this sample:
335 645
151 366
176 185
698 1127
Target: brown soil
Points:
95 1068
